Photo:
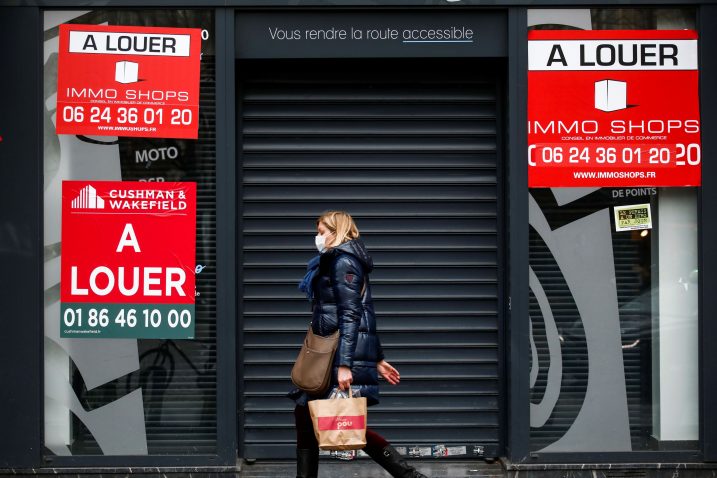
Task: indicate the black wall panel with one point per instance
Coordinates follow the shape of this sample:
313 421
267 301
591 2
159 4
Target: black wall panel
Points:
20 234
708 233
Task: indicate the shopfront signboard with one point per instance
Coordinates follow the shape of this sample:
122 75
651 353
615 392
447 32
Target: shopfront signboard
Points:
613 109
128 81
366 34
128 259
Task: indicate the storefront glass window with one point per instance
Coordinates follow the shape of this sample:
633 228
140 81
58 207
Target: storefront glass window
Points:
131 396
613 313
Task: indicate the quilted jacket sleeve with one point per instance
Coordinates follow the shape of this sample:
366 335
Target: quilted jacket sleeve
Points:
380 354
347 280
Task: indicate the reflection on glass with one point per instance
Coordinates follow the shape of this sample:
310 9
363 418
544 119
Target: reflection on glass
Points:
177 380
612 19
613 313
120 396
616 313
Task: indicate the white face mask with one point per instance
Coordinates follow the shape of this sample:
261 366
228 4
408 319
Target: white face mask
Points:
320 242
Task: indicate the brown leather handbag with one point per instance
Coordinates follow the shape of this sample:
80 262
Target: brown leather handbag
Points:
312 369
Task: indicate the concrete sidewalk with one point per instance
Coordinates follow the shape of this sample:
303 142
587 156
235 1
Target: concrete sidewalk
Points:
366 468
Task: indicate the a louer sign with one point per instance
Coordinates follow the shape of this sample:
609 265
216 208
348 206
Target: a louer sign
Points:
128 260
613 108
128 81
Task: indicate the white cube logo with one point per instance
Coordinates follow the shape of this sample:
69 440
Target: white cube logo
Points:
126 72
610 95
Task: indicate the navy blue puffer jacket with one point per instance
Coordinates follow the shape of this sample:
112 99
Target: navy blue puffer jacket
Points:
341 301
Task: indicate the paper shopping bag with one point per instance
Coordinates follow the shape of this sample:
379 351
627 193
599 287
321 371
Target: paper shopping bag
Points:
339 423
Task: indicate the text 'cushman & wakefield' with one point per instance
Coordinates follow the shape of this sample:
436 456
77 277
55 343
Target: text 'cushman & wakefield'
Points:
147 200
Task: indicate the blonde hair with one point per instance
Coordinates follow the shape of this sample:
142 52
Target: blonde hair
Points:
341 224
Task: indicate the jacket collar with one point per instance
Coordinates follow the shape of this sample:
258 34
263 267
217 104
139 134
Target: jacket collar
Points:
354 247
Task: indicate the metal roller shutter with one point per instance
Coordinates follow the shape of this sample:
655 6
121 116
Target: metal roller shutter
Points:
411 151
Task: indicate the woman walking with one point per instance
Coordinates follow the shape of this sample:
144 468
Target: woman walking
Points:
337 284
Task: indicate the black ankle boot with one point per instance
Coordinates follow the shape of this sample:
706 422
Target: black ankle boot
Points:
393 462
307 463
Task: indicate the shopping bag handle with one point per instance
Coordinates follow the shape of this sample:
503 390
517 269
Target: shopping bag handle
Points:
337 393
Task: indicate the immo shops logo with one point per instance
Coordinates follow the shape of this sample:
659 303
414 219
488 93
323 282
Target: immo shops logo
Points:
88 199
126 72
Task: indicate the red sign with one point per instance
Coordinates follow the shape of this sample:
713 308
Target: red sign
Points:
128 81
357 422
613 109
128 259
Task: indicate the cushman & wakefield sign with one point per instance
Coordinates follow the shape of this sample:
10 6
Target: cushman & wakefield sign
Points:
128 259
613 108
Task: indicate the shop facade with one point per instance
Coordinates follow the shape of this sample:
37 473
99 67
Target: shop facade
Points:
532 321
